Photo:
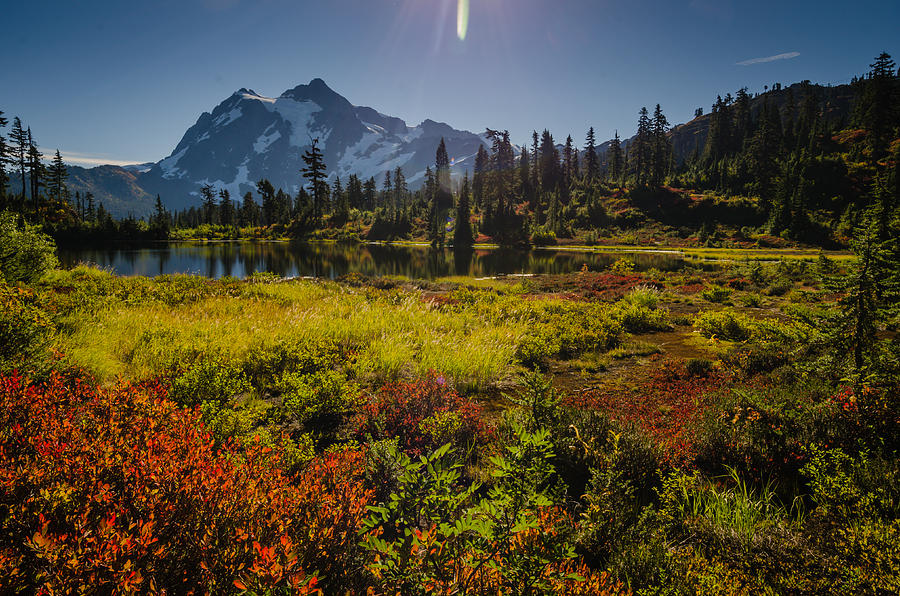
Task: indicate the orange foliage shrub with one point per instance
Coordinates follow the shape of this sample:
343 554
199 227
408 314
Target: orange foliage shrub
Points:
122 490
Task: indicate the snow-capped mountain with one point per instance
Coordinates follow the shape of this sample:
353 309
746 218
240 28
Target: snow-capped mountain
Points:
248 137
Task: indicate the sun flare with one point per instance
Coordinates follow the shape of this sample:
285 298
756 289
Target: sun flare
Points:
462 19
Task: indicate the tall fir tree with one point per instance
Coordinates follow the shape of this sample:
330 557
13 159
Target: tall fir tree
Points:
56 179
401 191
616 160
443 199
549 164
314 172
526 191
643 147
482 163
226 208
19 150
661 147
462 227
4 159
591 162
370 193
208 203
35 169
878 108
266 191
249 210
568 169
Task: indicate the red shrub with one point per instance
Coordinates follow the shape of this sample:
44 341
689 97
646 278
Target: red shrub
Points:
399 409
122 490
692 288
608 286
665 405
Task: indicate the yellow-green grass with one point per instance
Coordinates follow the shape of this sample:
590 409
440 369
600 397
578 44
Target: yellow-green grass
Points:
390 332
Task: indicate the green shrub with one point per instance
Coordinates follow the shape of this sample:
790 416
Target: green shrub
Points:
25 253
751 300
622 266
564 329
643 296
312 395
716 293
267 362
209 379
641 319
535 350
724 324
779 288
25 329
543 237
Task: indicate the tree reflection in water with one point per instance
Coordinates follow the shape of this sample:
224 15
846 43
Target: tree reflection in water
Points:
241 259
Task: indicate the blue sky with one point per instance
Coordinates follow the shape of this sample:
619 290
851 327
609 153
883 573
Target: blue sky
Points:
121 81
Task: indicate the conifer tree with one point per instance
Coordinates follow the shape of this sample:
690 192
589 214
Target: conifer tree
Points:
208 202
4 159
616 160
643 147
387 192
443 199
19 150
354 192
482 160
400 190
160 220
339 201
249 216
502 179
56 179
576 168
315 173
35 169
526 191
718 139
370 193
763 159
568 165
550 170
878 108
267 199
870 294
90 213
591 163
226 208
462 229
661 147
742 122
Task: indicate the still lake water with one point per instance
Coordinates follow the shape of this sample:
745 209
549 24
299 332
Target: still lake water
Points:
240 259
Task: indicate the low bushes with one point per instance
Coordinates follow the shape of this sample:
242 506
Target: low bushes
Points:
25 329
122 489
420 415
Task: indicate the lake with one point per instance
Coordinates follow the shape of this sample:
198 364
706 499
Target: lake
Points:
328 260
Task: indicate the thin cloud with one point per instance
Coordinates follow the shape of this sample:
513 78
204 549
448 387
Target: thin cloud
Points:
785 56
88 159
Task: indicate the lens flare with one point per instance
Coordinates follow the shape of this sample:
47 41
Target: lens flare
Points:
462 19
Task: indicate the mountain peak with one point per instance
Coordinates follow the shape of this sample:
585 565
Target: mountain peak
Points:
319 92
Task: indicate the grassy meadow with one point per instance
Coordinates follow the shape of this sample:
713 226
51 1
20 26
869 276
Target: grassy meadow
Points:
607 431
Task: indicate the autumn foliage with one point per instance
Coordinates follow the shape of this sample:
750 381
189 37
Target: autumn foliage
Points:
666 405
123 489
422 414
